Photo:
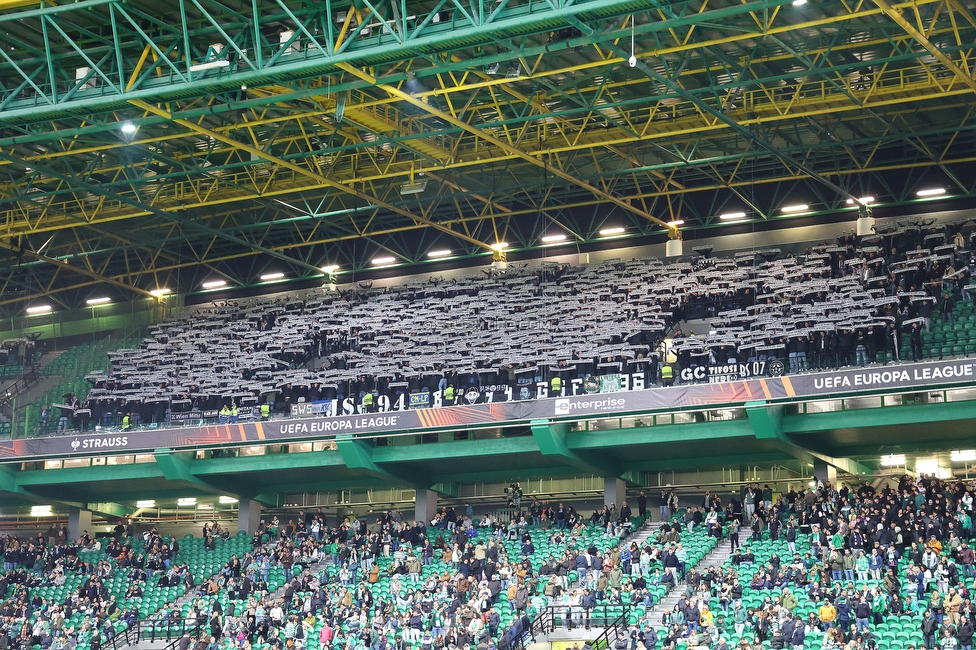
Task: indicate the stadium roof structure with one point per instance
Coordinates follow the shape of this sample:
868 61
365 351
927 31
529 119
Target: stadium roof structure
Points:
148 143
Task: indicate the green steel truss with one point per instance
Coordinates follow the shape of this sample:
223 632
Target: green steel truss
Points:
276 134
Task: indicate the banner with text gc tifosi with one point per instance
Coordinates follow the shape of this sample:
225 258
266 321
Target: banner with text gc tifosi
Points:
330 421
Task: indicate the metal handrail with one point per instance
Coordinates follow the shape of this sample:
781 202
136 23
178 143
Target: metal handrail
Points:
126 637
23 384
195 635
149 630
611 633
571 616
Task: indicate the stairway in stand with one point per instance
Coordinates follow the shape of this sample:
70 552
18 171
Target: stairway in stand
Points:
582 635
642 534
715 558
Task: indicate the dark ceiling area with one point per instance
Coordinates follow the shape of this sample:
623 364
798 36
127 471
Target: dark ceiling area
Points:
144 148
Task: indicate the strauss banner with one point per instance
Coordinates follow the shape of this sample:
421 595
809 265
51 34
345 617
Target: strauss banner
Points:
326 420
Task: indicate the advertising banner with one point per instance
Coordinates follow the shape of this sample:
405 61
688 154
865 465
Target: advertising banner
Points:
487 410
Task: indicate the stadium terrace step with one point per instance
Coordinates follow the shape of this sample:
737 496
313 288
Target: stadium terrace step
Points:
642 534
577 634
714 558
150 645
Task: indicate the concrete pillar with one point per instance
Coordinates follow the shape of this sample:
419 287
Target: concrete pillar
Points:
78 522
824 472
248 515
614 491
426 506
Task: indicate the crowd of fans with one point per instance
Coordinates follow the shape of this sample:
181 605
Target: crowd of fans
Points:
87 613
335 590
856 556
458 582
816 568
858 300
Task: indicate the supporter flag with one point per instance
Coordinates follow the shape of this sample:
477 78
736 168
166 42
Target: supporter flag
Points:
610 383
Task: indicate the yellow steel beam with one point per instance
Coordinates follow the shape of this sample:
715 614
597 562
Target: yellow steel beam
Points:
422 147
73 269
45 294
539 103
895 15
514 151
579 204
901 88
964 11
513 213
16 224
682 46
304 171
6 5
761 98
135 71
487 200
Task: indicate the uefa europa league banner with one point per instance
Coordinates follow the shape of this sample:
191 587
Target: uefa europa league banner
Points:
487 409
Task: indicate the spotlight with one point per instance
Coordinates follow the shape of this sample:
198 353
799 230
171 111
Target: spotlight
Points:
128 128
799 207
515 71
330 268
413 187
492 69
552 239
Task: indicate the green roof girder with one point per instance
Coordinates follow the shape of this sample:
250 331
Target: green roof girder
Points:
825 147
322 55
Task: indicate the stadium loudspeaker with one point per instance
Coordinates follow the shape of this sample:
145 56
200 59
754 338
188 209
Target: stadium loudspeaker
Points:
674 248
865 226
